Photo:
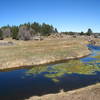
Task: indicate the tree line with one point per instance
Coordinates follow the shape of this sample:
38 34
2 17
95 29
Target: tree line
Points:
27 31
88 33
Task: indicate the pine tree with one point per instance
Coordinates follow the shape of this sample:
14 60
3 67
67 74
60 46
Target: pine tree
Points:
1 35
89 32
14 31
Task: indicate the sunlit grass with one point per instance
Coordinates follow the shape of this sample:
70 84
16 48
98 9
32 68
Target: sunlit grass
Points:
34 52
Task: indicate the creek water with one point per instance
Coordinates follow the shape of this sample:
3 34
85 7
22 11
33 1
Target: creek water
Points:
23 83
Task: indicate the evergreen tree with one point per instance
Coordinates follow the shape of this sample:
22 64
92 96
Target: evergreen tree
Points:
1 35
89 32
14 31
82 33
46 29
36 26
56 31
27 30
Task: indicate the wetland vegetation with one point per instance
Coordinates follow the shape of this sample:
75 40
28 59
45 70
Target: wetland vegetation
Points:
58 70
51 78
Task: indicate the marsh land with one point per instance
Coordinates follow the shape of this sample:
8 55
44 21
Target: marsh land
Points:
59 69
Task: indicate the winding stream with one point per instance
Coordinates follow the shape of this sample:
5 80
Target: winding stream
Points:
23 83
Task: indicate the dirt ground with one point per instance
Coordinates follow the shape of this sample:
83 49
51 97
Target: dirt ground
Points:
87 93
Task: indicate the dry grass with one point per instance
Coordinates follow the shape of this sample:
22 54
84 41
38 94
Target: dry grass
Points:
87 93
40 52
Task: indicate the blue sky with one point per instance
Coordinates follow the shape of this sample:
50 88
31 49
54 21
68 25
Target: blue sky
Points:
66 15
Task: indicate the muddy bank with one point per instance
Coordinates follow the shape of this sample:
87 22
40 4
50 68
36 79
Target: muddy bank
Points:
88 93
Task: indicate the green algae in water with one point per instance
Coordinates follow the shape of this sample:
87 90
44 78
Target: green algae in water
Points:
97 58
37 70
97 55
76 66
58 70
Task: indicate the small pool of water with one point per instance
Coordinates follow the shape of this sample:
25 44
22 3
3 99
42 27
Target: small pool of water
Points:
23 83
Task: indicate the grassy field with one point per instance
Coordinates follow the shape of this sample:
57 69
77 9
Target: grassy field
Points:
41 52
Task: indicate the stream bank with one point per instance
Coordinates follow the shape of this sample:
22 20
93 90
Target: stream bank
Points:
21 84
